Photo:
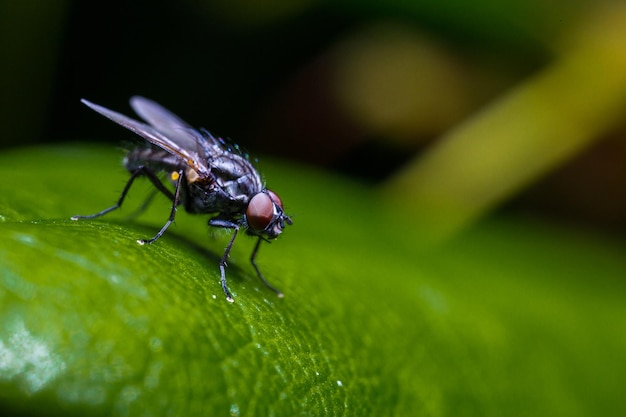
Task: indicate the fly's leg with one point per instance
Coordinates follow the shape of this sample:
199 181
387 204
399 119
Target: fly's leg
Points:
227 224
216 222
175 201
134 175
278 292
159 185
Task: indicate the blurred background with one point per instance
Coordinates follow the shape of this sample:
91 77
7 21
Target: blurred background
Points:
366 88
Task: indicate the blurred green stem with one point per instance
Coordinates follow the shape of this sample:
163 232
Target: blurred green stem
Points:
533 129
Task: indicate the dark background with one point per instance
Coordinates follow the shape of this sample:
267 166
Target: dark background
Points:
265 74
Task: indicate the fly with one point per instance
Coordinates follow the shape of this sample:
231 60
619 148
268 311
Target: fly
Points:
208 178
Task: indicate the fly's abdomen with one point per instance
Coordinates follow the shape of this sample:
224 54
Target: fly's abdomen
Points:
154 159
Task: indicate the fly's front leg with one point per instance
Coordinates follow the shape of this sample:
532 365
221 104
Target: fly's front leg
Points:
178 176
226 224
278 292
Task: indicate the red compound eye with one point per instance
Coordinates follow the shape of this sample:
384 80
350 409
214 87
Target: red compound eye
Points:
260 211
276 199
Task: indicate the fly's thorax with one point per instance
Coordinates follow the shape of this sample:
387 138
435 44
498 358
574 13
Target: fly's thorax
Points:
236 176
232 182
205 196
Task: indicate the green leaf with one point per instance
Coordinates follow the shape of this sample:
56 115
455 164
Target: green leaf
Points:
513 318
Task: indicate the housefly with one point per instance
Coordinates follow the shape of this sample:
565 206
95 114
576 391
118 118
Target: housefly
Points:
208 175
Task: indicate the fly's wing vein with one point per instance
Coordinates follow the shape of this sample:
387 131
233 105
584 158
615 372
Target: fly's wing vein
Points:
174 127
192 156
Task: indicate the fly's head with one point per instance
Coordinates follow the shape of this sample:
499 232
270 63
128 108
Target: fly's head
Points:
265 215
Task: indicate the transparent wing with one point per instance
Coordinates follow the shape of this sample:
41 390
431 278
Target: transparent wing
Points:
166 122
183 148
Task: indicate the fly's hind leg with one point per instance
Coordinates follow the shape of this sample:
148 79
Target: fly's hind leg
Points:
120 200
142 170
